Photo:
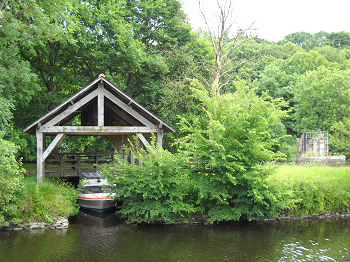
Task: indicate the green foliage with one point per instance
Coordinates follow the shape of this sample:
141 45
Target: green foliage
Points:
299 38
10 179
281 79
312 189
41 202
21 198
231 145
302 62
309 41
156 190
23 23
26 144
340 140
45 201
323 98
161 24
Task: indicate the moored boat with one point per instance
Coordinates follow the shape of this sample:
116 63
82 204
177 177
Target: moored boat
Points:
95 194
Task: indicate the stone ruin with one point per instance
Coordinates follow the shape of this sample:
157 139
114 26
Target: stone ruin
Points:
315 149
317 146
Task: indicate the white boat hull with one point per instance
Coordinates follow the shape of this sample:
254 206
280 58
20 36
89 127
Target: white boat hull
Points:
98 202
95 194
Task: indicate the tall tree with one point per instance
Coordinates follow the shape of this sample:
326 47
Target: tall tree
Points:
322 98
158 24
223 47
24 23
98 41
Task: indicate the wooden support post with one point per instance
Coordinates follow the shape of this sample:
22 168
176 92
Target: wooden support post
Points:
40 167
62 165
96 162
53 144
159 137
111 142
100 105
132 159
79 164
143 139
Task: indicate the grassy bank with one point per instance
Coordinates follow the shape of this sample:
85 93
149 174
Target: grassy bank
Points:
312 189
41 202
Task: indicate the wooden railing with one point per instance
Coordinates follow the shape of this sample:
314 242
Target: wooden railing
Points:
72 164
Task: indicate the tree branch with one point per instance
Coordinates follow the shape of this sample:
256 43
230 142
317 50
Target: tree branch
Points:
209 30
206 82
241 63
222 85
205 67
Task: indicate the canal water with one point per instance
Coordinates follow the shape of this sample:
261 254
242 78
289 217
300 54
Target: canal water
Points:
107 238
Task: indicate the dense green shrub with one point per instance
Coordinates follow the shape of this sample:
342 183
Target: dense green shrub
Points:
23 199
11 190
44 201
231 146
220 170
156 190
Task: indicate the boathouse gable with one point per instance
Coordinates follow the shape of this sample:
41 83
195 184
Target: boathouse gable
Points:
104 110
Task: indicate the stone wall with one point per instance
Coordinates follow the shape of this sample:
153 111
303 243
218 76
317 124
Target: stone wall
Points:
322 159
59 223
315 145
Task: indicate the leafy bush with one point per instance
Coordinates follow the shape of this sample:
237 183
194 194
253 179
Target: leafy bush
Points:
22 198
27 149
11 174
157 190
221 170
45 201
340 140
231 147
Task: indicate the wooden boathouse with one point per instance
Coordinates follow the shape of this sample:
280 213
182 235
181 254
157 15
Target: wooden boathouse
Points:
104 111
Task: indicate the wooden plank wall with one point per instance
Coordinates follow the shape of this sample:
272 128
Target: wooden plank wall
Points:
72 164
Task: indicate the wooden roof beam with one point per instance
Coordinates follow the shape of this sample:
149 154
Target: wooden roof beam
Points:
122 114
128 109
100 105
96 130
72 109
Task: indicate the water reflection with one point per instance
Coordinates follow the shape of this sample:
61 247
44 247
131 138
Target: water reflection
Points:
103 237
88 217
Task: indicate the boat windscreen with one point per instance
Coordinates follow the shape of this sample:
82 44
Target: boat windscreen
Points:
92 175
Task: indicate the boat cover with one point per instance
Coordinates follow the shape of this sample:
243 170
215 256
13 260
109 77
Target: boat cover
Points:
92 175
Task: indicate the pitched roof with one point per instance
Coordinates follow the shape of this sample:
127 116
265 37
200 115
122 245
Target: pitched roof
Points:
114 91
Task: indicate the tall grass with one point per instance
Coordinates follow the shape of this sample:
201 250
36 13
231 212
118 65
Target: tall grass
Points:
29 166
42 201
312 189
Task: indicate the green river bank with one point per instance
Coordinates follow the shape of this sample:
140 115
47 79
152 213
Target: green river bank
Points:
309 192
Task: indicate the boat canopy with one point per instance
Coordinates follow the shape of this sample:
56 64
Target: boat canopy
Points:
92 175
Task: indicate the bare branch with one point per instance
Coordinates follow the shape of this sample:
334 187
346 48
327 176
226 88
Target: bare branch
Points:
206 82
241 63
234 46
209 30
222 85
222 60
232 59
205 67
